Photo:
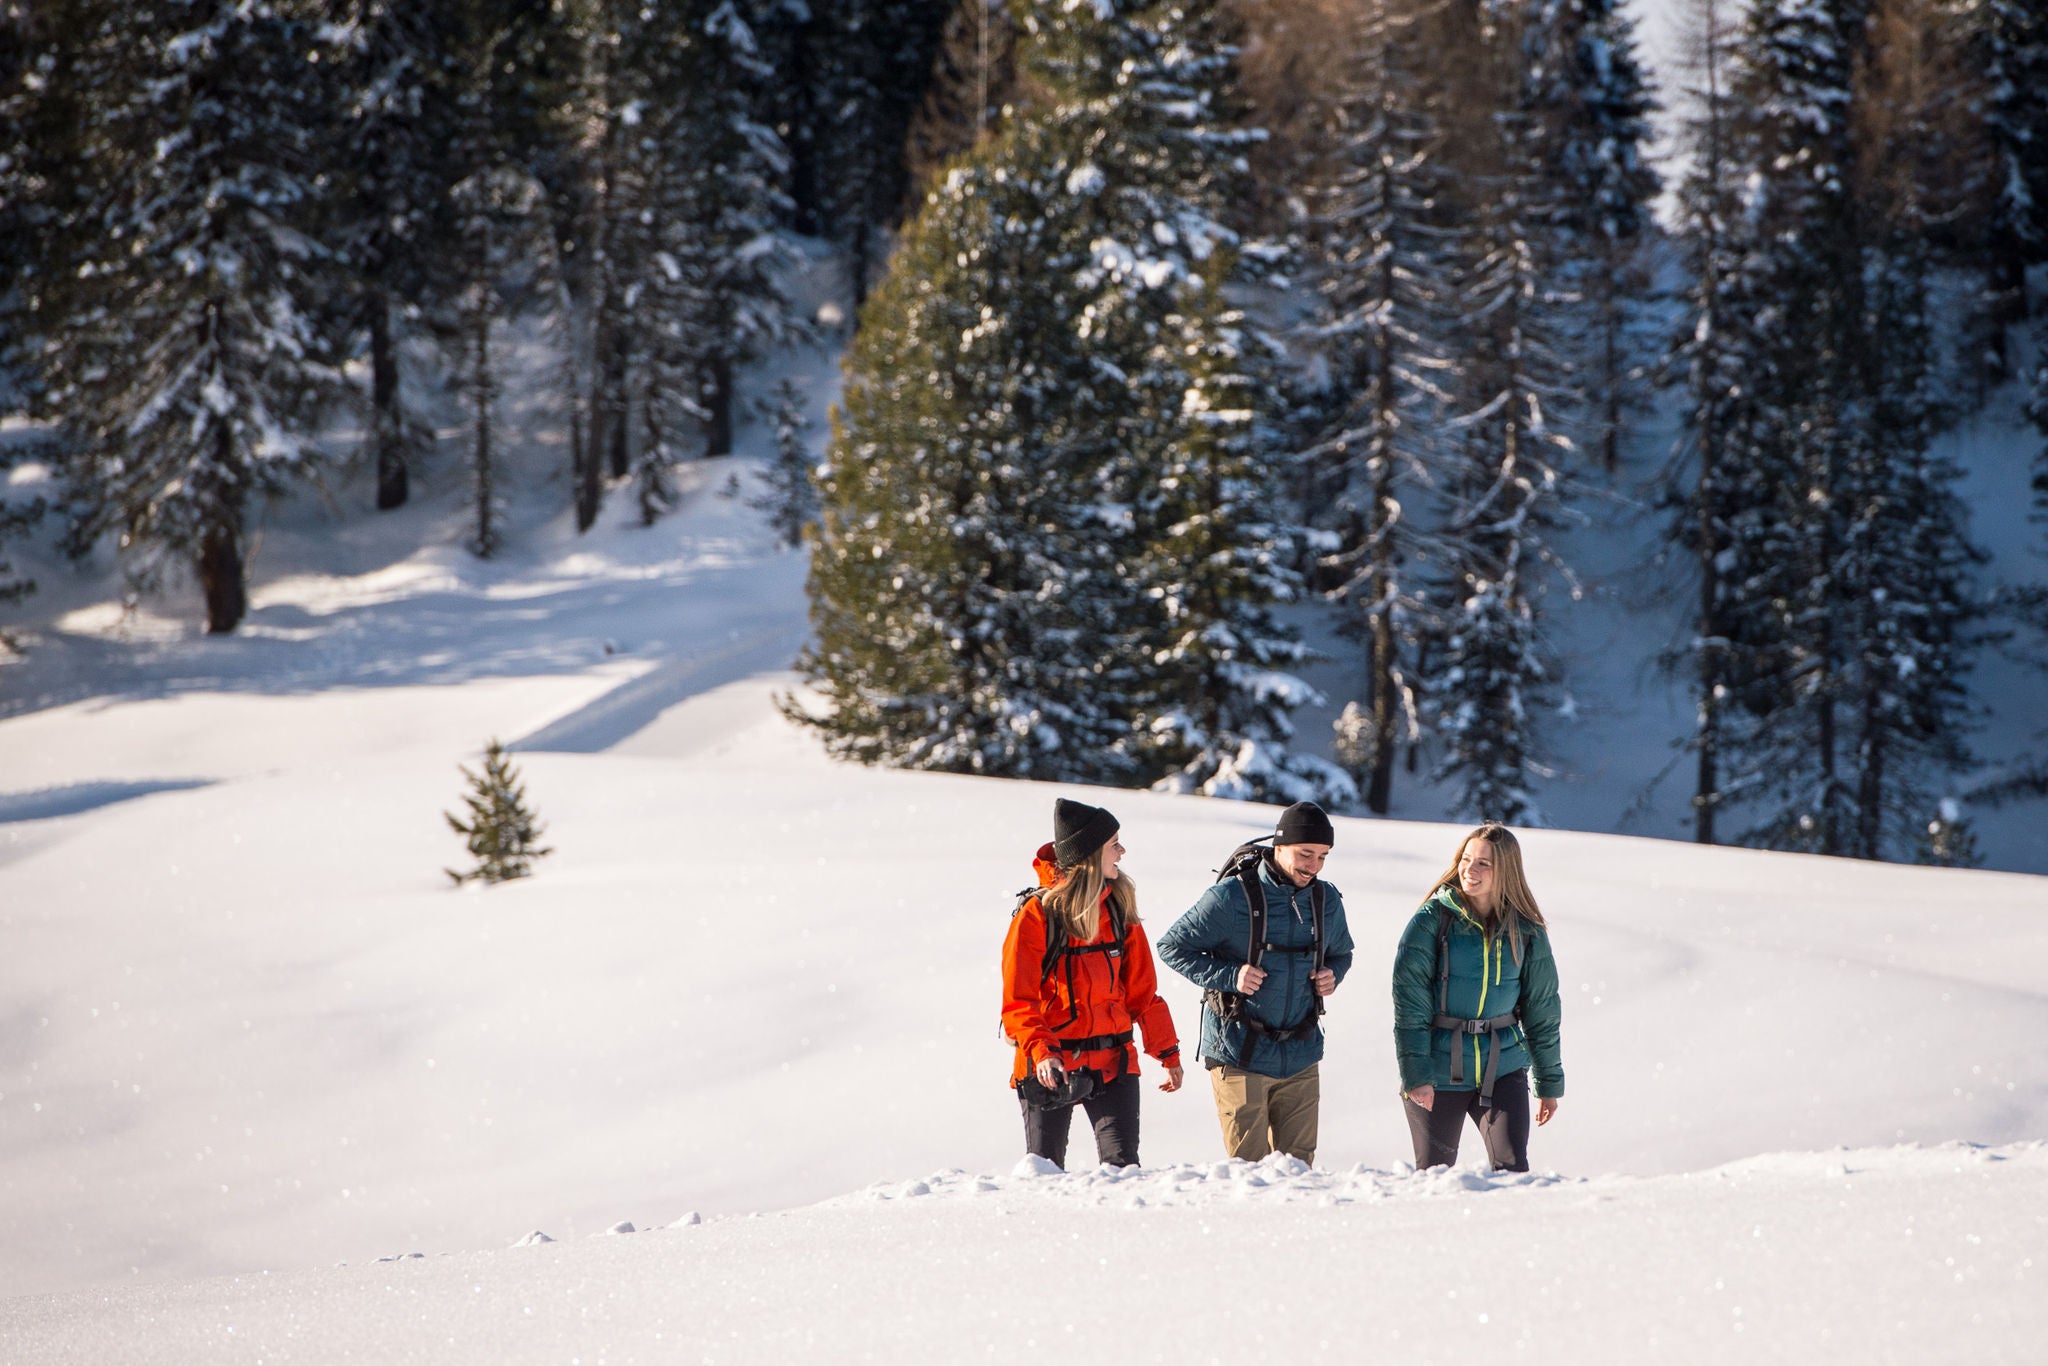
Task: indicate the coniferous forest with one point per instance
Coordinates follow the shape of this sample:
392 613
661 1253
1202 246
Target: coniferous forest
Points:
1171 317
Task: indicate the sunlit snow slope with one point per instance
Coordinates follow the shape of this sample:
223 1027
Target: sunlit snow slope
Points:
247 1026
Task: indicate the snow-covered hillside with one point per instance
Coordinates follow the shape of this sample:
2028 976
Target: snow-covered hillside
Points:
248 1030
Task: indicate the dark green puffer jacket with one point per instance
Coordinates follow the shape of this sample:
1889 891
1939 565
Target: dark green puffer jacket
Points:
1485 981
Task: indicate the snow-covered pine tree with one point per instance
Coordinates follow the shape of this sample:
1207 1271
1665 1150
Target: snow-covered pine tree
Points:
1215 560
2011 51
1504 480
1720 496
959 562
501 213
983 578
870 62
392 226
502 833
1802 274
1589 102
722 202
1906 562
42 109
616 49
1386 269
180 353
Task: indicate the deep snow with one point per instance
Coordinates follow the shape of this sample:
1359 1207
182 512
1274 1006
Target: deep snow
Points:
1891 1255
248 1031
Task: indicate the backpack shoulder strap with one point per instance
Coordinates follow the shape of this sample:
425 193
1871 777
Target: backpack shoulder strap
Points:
1315 902
1055 931
1255 902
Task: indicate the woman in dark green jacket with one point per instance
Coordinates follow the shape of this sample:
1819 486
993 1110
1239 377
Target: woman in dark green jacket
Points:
1476 1008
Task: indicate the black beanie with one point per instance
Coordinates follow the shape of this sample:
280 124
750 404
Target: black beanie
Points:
1078 830
1304 823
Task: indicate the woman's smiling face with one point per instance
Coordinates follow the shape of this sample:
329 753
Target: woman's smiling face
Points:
1475 872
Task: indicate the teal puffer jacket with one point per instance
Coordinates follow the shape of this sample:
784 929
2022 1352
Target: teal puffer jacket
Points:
1485 981
1207 946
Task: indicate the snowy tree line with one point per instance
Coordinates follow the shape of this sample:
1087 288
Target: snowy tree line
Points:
1012 577
1868 192
210 208
1171 313
1061 370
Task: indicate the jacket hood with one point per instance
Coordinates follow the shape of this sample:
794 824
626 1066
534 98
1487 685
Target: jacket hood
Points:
1042 864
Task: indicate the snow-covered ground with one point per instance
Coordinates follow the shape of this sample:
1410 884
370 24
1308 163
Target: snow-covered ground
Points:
1909 1256
248 1032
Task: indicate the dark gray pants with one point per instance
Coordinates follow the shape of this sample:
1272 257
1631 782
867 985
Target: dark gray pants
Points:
1504 1124
1112 1109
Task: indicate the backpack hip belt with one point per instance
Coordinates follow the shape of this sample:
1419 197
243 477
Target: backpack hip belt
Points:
1094 1042
1230 1009
1493 1026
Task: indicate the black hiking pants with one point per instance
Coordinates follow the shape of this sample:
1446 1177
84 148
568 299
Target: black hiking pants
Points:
1504 1124
1112 1109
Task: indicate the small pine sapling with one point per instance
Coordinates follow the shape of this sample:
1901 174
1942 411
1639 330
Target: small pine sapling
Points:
792 498
502 831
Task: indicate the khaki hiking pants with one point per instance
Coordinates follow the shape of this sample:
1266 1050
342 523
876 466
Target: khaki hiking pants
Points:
1262 1114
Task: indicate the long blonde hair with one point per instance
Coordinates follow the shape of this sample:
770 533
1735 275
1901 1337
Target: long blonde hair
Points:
1517 903
1075 898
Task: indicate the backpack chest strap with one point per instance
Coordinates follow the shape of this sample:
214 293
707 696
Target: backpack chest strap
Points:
1493 1026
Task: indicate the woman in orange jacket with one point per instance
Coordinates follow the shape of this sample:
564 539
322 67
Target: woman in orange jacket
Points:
1077 975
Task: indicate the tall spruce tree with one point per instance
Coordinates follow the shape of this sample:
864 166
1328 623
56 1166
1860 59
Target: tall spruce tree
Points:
1803 273
1906 561
1589 100
863 67
727 201
1837 605
2011 50
1215 561
993 586
392 226
1387 264
1721 496
959 583
1490 667
503 140
187 369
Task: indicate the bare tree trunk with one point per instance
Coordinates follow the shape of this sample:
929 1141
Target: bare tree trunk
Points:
718 423
220 558
618 444
387 413
485 391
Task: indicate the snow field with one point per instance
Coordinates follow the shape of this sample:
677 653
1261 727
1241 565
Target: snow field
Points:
1905 1255
252 1026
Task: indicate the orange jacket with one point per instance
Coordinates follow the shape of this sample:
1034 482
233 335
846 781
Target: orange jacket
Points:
1107 994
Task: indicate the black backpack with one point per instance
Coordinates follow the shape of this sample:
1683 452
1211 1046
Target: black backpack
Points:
1058 948
1228 1006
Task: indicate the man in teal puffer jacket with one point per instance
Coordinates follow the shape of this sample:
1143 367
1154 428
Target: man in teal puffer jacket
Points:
1476 1008
1265 1065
